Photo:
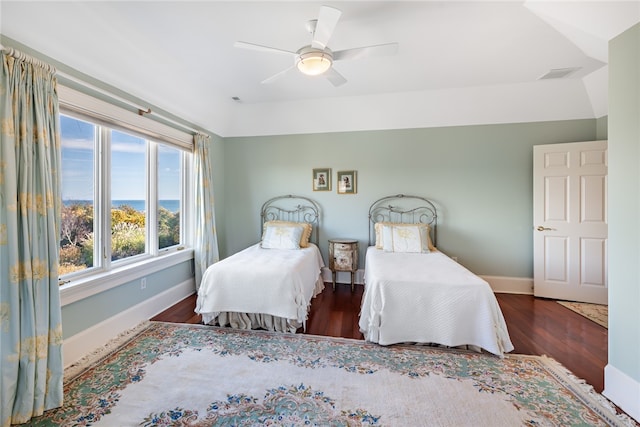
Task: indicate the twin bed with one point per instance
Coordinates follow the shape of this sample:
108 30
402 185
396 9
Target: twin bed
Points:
270 284
413 292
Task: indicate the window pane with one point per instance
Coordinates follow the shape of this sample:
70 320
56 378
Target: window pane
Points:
78 202
128 195
169 195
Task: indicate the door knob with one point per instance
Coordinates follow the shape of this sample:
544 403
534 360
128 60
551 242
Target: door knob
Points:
541 228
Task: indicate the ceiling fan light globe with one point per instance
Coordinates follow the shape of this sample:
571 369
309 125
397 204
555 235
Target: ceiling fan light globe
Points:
314 63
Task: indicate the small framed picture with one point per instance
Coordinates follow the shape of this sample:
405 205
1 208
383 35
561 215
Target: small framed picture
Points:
322 179
347 182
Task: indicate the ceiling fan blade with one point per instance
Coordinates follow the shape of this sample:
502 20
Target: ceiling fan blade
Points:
327 20
335 77
253 46
277 76
366 51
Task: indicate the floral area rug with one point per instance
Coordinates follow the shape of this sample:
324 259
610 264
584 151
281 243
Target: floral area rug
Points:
598 313
165 374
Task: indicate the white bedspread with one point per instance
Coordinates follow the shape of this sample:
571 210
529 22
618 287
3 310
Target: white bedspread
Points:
429 298
276 282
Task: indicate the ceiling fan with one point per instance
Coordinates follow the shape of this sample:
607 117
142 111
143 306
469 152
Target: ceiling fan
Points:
317 59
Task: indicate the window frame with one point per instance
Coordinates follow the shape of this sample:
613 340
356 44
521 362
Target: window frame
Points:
109 274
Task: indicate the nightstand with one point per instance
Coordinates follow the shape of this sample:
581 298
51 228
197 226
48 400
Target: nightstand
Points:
343 256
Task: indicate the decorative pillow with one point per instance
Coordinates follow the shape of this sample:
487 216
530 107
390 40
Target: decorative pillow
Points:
282 237
306 230
400 238
403 237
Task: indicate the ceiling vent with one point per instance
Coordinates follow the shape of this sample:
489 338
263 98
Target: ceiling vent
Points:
559 73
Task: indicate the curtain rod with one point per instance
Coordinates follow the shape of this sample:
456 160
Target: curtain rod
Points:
142 110
25 57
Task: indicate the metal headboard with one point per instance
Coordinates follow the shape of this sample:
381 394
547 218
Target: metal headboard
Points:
292 208
403 208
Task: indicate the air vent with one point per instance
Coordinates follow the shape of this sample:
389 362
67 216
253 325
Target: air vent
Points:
559 73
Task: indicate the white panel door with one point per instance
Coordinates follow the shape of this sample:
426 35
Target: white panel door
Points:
570 221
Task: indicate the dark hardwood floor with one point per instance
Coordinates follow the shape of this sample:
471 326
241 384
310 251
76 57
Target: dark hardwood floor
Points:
537 326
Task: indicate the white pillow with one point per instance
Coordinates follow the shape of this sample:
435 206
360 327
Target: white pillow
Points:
282 237
380 238
405 238
306 230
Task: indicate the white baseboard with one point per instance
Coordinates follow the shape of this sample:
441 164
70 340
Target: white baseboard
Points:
622 390
510 285
79 345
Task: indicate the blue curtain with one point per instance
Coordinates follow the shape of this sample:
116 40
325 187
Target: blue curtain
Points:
206 241
30 314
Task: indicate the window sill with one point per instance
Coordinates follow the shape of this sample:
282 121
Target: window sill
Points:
97 283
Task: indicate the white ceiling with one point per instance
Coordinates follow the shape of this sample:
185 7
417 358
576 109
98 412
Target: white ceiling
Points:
458 62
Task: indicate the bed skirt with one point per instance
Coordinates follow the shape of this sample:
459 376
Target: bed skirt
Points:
256 321
260 320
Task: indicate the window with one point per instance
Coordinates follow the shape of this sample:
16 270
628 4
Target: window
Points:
78 201
123 197
129 202
169 202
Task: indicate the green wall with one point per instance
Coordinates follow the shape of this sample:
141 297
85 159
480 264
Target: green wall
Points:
217 155
480 178
624 203
602 128
83 314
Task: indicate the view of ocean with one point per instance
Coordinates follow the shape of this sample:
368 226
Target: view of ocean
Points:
170 205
